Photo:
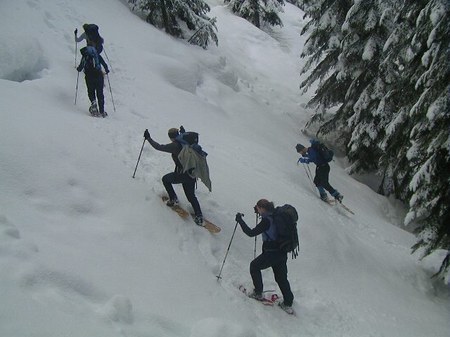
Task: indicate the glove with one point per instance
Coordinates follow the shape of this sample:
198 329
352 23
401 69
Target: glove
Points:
303 161
238 218
106 71
75 31
79 68
147 135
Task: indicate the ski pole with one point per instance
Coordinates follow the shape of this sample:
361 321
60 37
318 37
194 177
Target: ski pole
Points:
228 249
109 62
256 237
76 47
76 88
310 174
112 98
313 185
139 158
309 177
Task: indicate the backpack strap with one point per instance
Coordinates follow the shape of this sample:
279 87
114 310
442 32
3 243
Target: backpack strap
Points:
272 230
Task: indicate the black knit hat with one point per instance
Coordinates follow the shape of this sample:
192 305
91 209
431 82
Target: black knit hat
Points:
299 147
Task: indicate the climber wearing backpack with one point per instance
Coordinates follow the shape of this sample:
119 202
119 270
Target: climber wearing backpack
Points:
272 254
320 155
91 63
91 35
178 176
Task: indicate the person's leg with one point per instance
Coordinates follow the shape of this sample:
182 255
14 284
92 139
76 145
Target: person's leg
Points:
189 191
319 181
90 88
324 173
100 97
168 180
280 273
325 176
260 263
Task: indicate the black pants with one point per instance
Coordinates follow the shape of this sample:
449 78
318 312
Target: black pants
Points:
94 84
322 177
277 260
188 187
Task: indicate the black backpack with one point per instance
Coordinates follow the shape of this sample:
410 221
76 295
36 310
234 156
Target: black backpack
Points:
285 219
93 37
190 138
324 152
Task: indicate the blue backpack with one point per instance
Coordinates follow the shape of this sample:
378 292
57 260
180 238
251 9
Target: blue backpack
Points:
91 59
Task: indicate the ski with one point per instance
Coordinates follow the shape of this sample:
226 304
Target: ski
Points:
212 228
346 208
329 201
332 202
177 209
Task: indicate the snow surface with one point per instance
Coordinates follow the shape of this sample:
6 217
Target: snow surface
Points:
85 250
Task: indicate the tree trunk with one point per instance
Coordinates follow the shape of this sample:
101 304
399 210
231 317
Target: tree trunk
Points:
165 17
256 19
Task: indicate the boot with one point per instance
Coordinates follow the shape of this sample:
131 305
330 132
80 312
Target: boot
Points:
93 108
287 308
256 296
199 220
172 202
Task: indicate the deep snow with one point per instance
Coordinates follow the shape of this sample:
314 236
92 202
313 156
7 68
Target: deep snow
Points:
85 250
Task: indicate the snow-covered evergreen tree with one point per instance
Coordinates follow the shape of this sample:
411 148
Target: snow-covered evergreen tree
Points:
322 50
394 163
425 62
389 79
295 2
352 67
365 30
178 17
258 11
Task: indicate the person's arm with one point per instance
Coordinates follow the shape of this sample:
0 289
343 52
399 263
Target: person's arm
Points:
304 160
169 148
80 38
260 228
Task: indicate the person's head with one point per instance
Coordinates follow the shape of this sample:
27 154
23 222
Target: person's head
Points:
173 133
86 26
301 149
264 206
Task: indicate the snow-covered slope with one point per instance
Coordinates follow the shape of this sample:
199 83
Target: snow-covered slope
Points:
85 250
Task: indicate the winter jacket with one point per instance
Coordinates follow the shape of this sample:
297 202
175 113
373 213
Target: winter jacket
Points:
173 148
312 156
267 228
